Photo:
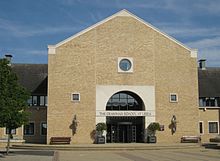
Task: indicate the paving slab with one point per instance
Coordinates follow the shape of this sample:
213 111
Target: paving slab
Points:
27 155
141 155
107 147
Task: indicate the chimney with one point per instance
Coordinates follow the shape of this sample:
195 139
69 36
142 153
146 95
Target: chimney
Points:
8 57
202 64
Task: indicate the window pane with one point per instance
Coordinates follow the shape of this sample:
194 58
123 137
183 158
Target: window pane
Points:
116 96
43 128
13 131
212 102
29 101
213 127
29 129
218 101
75 97
41 100
201 102
123 96
45 100
173 97
35 100
123 101
200 128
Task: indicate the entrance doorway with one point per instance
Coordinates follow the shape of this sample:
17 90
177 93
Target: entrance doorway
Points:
125 129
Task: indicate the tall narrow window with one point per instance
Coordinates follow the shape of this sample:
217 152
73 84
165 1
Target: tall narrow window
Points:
35 100
29 129
213 127
42 101
201 127
29 101
202 102
43 128
45 100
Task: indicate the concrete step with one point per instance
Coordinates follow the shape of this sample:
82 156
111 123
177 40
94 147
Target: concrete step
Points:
211 145
107 147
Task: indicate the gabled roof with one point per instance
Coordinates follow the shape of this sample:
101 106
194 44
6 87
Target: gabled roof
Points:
32 76
120 13
209 82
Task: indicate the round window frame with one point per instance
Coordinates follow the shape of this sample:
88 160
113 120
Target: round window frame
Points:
127 61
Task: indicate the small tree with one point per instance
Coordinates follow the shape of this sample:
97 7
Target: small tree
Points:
100 127
13 100
153 127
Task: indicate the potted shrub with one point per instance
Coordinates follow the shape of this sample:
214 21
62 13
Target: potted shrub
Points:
151 132
100 128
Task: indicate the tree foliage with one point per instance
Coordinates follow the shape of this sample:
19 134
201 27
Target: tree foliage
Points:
153 127
101 127
13 98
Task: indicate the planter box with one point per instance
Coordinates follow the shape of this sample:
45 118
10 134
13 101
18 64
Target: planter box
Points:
151 139
100 140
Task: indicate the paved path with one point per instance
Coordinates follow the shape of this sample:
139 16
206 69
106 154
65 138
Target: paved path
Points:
191 154
28 155
145 155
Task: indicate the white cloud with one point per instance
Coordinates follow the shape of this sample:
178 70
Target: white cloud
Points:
206 43
209 49
22 30
187 29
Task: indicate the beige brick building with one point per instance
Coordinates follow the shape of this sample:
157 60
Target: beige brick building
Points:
126 73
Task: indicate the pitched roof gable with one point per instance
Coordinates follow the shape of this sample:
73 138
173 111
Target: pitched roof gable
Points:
209 82
32 77
124 12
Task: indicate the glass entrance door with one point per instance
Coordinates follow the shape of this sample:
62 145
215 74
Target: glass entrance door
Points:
124 133
125 129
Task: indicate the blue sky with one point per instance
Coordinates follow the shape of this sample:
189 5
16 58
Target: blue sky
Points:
28 26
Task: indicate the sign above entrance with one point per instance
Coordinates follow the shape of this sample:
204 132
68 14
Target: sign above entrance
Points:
125 113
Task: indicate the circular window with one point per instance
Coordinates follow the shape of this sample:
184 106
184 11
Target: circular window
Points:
125 64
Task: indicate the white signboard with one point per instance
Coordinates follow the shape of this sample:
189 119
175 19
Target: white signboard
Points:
125 113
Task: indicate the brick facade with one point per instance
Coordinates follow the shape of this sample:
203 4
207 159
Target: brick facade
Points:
90 59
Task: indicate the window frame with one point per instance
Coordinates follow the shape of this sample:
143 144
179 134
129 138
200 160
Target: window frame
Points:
33 128
42 122
208 101
40 100
217 127
177 99
75 93
33 103
130 70
6 133
46 101
202 127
